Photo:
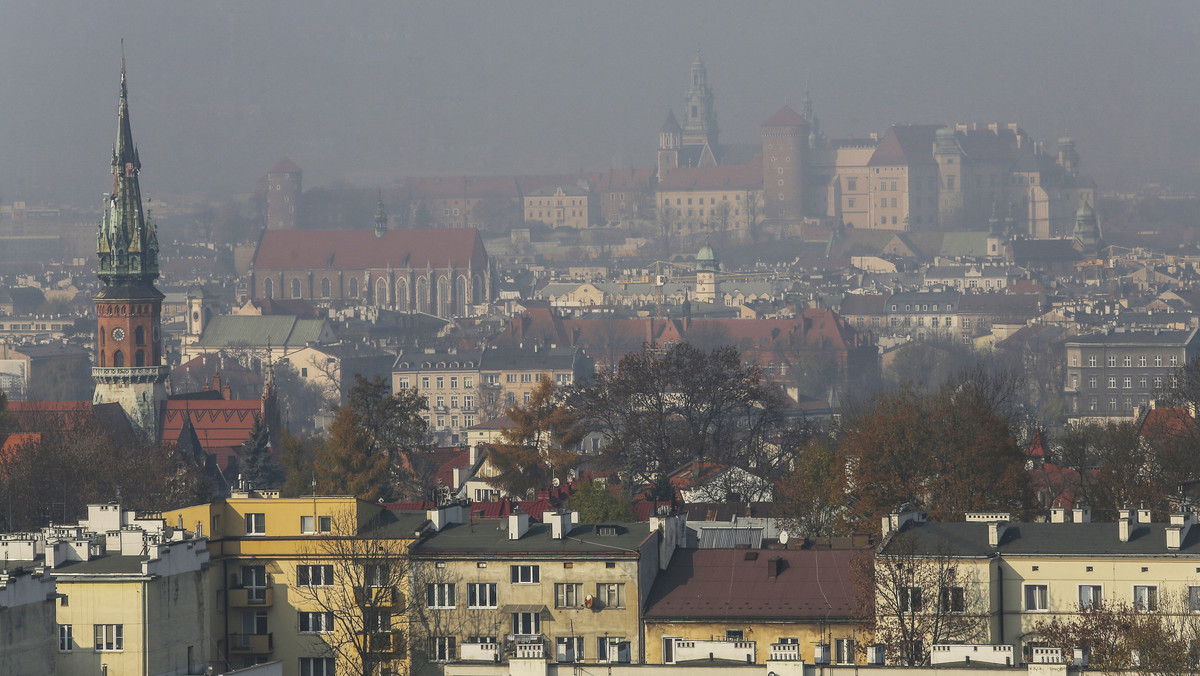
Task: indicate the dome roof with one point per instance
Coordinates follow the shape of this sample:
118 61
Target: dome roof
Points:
706 254
1085 212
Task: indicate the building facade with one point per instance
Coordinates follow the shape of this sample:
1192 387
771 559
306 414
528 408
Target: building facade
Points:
1113 373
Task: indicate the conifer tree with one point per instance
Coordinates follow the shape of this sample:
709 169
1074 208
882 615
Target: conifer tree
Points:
256 459
345 464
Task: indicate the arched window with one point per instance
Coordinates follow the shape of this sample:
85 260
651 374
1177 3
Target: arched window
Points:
477 290
139 335
102 364
402 295
443 297
422 295
118 359
381 289
354 287
295 287
268 288
139 358
461 297
324 287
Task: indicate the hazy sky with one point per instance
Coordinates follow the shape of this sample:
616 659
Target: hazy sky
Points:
370 92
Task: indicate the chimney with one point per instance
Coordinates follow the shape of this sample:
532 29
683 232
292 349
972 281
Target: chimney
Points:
226 392
1081 514
457 478
996 533
473 454
774 567
518 525
560 523
1126 520
1058 515
1143 515
1177 531
901 515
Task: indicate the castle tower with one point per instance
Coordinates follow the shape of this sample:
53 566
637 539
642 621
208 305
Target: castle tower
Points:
707 266
949 157
129 367
670 138
785 143
1086 235
699 116
283 194
1068 158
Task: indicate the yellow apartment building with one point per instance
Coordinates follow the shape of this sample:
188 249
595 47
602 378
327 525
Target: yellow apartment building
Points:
317 582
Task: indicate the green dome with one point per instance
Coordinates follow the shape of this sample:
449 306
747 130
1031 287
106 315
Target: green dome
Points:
1085 212
706 254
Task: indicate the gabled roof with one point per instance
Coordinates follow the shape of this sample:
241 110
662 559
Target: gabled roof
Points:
733 584
258 331
905 145
785 117
221 425
671 126
361 249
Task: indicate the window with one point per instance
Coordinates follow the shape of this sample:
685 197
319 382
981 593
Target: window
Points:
910 599
320 524
1112 382
439 595
526 575
510 377
441 399
377 575
481 595
1074 360
527 377
441 382
316 666
1174 360
454 382
1127 362
402 384
295 287
852 184
568 595
568 648
1142 360
612 649
110 637
1142 382
1145 597
1128 382
424 382
254 581
953 600
527 624
850 203
314 575
1194 599
1092 382
256 524
610 594
1112 362
316 623
1091 361
468 402
1090 596
377 620
442 648
66 643
843 651
1037 597
468 382
1158 360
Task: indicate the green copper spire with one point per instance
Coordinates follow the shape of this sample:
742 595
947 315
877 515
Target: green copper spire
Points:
127 244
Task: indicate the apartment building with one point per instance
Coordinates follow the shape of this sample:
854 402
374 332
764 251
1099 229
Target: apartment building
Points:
449 380
560 590
1112 373
1017 575
118 592
291 583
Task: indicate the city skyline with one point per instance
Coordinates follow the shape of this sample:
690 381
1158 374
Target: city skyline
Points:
369 95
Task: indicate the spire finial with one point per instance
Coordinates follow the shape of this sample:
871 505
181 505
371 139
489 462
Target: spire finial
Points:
122 60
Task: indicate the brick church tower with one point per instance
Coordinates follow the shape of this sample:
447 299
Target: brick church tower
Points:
784 146
129 366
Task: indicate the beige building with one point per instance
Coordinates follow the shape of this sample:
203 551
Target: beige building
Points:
563 206
128 595
569 592
28 631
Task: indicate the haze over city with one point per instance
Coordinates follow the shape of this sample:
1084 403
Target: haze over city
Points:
369 93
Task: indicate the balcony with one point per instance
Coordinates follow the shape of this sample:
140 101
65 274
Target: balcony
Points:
529 648
256 644
379 597
246 597
785 652
734 651
385 642
479 652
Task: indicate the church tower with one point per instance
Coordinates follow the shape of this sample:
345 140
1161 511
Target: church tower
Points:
700 118
707 266
129 366
670 138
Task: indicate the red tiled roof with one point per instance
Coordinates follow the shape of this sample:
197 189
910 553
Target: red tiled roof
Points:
448 459
785 117
729 584
904 145
733 177
361 249
1166 421
219 424
284 166
644 509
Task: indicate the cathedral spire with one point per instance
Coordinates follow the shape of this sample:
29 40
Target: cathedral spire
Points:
127 244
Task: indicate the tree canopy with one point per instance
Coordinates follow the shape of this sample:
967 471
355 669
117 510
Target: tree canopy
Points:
540 444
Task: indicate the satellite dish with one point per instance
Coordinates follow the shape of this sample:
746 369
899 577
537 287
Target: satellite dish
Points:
783 537
556 482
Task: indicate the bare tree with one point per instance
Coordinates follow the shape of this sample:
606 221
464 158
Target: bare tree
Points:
666 225
912 597
351 590
752 203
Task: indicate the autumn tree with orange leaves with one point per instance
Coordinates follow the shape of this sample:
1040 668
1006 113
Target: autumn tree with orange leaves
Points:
539 446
